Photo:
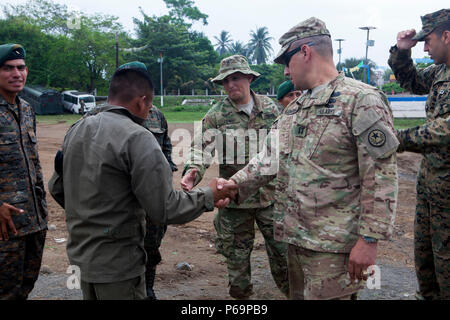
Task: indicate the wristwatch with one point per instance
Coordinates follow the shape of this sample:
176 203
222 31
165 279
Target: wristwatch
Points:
369 239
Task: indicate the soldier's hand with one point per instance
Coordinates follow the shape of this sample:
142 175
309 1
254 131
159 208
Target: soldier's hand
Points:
187 182
362 256
220 183
223 191
6 220
404 39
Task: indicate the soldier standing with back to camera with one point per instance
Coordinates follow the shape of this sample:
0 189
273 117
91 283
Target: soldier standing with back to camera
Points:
23 209
432 221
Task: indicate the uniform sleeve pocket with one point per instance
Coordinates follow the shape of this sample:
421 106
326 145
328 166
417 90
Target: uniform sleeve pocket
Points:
378 139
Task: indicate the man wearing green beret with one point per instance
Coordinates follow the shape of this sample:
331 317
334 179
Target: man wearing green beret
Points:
111 174
23 209
336 186
287 93
432 221
237 117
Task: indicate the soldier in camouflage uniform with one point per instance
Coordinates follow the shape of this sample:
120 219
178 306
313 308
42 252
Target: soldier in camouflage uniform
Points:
432 222
242 110
286 93
336 185
156 123
23 209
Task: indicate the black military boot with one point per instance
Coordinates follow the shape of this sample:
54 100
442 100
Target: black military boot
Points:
149 282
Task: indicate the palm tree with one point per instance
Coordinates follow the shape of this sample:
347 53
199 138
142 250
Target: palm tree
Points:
223 42
259 45
238 47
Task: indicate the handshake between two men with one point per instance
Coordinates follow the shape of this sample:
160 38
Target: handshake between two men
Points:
224 190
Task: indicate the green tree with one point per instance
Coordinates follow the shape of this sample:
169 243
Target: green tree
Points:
387 74
362 72
185 10
49 16
189 59
259 45
224 42
392 88
80 58
239 47
271 77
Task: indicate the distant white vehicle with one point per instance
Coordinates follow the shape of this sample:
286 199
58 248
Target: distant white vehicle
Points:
78 102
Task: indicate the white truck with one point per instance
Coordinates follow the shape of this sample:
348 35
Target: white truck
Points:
78 102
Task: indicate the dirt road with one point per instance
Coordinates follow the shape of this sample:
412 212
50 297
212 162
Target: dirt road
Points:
194 243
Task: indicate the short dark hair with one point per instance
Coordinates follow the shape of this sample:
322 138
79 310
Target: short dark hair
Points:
322 44
128 84
439 30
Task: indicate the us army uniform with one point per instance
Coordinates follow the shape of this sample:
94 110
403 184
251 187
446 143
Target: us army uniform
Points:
336 179
235 224
156 123
21 185
432 221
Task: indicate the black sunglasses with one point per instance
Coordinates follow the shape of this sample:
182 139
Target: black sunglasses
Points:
290 54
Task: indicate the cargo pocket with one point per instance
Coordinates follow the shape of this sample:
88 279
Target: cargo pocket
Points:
9 147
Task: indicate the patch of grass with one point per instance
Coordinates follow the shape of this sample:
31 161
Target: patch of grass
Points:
53 119
183 116
404 123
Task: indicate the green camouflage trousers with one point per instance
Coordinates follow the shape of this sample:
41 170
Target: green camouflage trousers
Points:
235 236
431 249
317 275
20 261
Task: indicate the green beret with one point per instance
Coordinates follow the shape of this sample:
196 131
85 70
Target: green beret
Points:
136 66
284 89
11 52
431 21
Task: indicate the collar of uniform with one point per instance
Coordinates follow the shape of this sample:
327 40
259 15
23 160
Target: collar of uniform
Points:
124 111
443 75
4 102
323 95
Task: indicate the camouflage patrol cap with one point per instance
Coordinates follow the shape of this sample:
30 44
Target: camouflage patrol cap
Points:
11 51
136 66
308 28
431 21
233 64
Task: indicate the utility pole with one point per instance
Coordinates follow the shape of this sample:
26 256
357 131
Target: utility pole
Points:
339 52
369 43
117 51
160 60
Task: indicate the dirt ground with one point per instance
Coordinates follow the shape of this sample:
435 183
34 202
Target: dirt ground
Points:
194 242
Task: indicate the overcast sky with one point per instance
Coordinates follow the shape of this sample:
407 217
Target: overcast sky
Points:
343 18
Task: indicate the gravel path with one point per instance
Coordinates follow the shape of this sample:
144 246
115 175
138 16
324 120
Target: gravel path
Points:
397 283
